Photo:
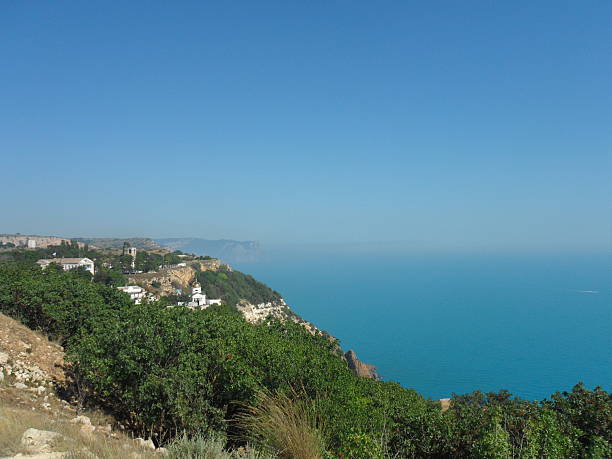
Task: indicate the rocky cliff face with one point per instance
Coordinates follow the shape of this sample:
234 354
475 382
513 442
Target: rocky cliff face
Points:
361 369
22 239
166 281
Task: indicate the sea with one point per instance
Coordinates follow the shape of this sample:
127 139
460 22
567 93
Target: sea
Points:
442 323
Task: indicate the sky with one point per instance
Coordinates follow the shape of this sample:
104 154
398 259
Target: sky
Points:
447 125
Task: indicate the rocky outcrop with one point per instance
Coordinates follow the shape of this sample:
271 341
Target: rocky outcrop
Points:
166 281
40 441
361 369
255 313
40 241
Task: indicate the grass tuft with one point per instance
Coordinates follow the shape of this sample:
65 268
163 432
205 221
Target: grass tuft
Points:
209 448
286 425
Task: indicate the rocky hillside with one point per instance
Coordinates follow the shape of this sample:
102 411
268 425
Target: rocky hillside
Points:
166 281
144 243
39 416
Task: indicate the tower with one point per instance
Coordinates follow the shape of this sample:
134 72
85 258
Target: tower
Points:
196 288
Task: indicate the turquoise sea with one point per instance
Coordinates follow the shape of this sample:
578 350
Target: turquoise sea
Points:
444 324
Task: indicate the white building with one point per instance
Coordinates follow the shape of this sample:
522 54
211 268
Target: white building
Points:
69 263
135 292
198 299
31 243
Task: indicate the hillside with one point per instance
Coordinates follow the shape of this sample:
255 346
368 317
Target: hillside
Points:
42 417
38 414
117 243
166 372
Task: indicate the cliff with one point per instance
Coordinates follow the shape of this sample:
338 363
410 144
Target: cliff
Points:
22 239
166 281
361 369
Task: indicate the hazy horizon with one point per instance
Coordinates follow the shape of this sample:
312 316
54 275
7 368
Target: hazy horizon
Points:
431 127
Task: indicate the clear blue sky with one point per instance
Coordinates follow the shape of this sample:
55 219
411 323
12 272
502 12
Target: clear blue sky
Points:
447 125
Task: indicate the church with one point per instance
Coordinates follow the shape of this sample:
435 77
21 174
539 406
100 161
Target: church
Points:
198 299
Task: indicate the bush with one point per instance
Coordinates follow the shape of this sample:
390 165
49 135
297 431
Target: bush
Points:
212 447
174 370
54 301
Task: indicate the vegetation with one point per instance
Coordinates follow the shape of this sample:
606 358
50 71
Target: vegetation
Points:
63 250
232 286
286 425
212 447
198 376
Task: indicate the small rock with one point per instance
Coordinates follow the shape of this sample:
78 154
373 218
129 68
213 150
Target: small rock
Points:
106 429
145 443
87 429
39 390
20 385
42 456
81 420
39 441
3 358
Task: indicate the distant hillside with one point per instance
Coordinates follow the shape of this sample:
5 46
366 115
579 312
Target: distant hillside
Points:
227 250
117 243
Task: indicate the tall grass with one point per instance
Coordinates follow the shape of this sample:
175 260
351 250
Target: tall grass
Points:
288 426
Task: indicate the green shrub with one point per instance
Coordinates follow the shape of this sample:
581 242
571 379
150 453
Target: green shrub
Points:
212 447
233 286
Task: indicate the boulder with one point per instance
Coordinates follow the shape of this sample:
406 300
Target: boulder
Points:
40 441
145 443
39 390
445 403
87 429
3 358
81 420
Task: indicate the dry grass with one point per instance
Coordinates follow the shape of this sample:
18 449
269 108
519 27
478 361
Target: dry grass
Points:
287 426
14 422
212 447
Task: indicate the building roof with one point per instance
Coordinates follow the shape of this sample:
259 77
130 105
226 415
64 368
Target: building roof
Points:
132 288
64 260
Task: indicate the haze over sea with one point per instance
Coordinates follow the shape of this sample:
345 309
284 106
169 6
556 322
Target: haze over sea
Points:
444 323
